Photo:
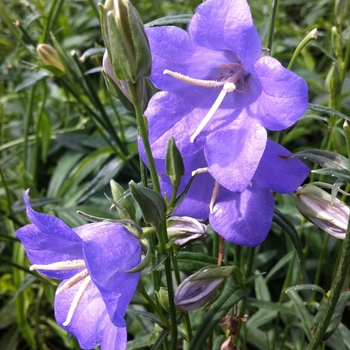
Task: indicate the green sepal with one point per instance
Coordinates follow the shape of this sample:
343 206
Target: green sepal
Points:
126 202
145 261
174 165
152 205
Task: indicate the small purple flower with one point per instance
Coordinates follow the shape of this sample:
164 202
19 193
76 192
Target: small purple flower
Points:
92 260
219 94
243 218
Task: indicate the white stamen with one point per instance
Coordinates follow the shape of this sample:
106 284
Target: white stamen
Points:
192 81
199 171
214 196
76 300
60 265
228 87
73 280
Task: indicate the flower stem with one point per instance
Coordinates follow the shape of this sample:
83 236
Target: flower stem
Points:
272 24
337 286
311 36
134 96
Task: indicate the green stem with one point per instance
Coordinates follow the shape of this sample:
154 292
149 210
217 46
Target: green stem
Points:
272 24
27 123
136 101
343 68
152 304
311 36
337 286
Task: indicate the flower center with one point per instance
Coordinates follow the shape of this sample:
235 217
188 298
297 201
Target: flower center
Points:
232 76
82 275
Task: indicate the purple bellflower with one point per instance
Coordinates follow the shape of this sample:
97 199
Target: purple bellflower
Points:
217 91
243 218
93 261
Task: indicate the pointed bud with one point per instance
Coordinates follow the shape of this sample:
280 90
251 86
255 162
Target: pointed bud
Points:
317 205
332 83
163 298
126 40
197 289
50 57
183 230
174 164
337 43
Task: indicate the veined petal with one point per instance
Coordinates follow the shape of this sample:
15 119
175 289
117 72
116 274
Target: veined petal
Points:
89 319
117 248
233 154
226 25
243 218
284 95
278 172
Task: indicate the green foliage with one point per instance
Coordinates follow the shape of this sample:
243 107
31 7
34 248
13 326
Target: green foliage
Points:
65 137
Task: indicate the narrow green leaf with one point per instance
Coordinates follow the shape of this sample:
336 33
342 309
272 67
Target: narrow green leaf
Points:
170 20
312 287
290 230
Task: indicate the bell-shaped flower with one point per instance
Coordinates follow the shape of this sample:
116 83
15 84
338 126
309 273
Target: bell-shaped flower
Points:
245 217
93 261
219 92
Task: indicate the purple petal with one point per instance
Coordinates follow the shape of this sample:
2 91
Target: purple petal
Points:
108 256
284 97
278 172
243 218
114 338
49 240
90 319
226 25
173 49
233 154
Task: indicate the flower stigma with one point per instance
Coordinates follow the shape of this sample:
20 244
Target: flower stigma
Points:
82 275
233 74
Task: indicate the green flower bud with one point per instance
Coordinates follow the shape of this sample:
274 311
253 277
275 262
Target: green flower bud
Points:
332 83
50 57
126 40
163 298
337 43
317 205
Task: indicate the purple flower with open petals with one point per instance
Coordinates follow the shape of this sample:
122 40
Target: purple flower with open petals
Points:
93 261
243 218
217 91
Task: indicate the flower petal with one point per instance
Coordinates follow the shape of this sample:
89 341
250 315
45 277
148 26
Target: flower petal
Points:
233 154
114 338
89 319
118 249
49 240
226 25
278 172
284 97
243 218
173 49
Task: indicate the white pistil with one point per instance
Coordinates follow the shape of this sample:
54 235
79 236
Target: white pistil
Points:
199 171
73 280
192 81
60 265
228 87
76 300
214 196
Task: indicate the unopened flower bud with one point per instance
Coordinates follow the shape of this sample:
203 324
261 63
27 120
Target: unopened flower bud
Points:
199 288
332 82
183 230
50 57
337 44
317 205
126 40
163 298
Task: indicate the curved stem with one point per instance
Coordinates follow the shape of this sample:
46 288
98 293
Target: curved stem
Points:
272 24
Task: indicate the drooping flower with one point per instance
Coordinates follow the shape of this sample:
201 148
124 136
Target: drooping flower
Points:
218 93
93 261
243 218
